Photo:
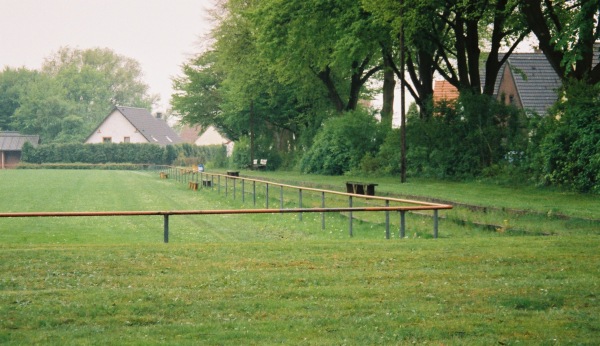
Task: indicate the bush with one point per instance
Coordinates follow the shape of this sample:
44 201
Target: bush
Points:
214 156
463 141
342 143
94 153
263 149
569 144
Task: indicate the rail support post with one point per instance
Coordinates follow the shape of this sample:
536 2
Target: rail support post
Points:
387 221
435 223
322 206
350 215
402 224
166 223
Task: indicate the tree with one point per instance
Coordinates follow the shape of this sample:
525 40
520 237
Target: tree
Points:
13 85
567 31
96 80
335 42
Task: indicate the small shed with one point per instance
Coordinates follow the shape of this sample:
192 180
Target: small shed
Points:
11 145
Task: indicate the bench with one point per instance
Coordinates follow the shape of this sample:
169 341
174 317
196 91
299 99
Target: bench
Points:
233 173
193 185
360 188
164 175
206 182
262 164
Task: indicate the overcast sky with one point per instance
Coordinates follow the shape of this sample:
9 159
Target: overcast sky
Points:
159 34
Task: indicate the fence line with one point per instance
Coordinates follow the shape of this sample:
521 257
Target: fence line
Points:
187 176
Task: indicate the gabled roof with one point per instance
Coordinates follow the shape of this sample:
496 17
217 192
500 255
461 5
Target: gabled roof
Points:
154 130
537 82
13 141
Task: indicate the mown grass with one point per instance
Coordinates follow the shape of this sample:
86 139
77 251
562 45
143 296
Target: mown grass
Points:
272 279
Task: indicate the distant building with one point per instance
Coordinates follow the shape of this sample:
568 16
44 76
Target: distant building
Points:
11 145
133 125
526 81
212 136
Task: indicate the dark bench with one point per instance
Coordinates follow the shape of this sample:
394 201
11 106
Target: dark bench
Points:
360 188
233 173
206 182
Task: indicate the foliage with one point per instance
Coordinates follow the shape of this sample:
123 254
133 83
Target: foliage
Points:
342 143
214 156
464 139
567 32
71 94
569 151
94 153
241 157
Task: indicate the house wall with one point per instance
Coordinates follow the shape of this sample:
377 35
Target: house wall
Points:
117 127
507 90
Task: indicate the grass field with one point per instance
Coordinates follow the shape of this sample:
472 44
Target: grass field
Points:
270 279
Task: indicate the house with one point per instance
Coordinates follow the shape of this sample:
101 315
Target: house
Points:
526 81
189 134
211 136
133 125
11 144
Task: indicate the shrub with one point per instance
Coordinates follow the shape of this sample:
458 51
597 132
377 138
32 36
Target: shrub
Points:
342 143
569 149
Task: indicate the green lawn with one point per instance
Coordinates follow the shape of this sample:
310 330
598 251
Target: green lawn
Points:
270 279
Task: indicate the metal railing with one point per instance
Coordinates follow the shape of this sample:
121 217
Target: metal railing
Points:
217 181
229 183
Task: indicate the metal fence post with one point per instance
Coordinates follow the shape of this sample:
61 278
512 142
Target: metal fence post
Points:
402 224
219 184
350 214
267 196
322 206
387 220
226 181
281 197
300 204
435 223
166 228
243 190
234 187
254 192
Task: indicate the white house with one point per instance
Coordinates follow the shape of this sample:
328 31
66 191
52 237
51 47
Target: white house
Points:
133 125
212 137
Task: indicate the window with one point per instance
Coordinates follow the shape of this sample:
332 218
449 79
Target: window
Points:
126 139
106 139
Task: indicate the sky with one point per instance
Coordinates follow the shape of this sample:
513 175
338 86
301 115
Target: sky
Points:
160 34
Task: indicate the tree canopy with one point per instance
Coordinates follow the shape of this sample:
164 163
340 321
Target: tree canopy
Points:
71 94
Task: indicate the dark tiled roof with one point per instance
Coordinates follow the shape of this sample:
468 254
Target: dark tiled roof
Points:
537 82
13 141
154 130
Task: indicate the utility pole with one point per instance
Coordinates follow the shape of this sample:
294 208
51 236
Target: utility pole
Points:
402 100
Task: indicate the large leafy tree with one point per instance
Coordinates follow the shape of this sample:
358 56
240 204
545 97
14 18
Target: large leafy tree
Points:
98 79
567 31
72 93
13 85
335 42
